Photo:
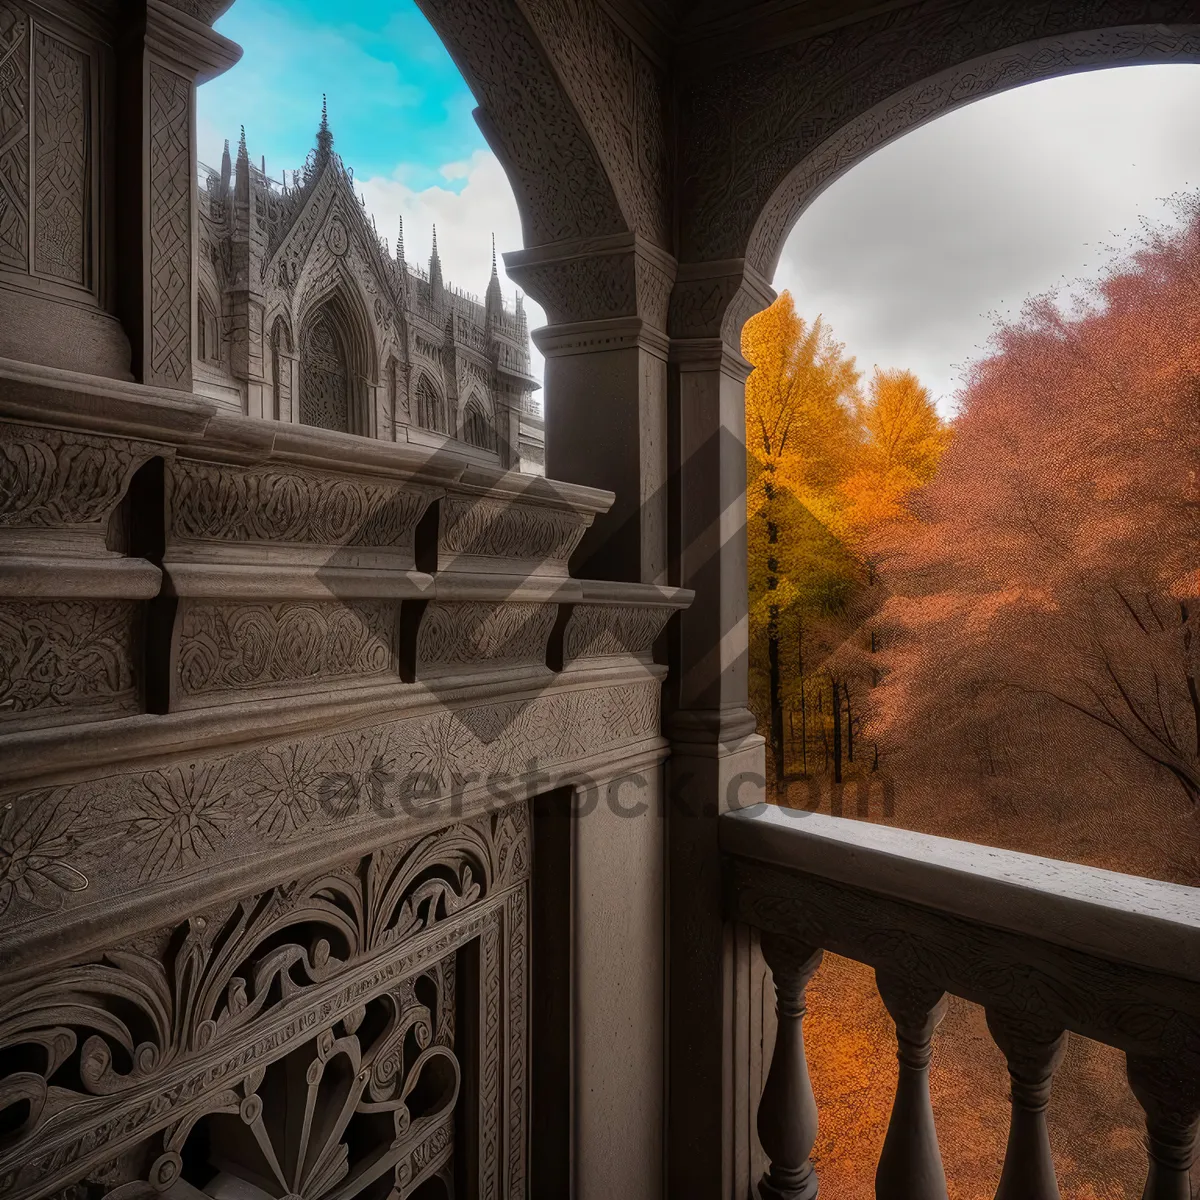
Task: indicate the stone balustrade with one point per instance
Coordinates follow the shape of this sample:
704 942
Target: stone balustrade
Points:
1047 948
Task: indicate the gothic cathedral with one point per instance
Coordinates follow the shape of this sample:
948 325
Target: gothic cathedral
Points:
305 315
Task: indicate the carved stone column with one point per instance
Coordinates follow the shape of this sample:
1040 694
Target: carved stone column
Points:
787 1112
910 1166
162 54
606 389
1033 1055
1169 1093
717 758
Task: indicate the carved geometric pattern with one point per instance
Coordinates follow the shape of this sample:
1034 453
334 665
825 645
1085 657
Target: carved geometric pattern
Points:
474 634
62 153
75 656
14 137
487 528
50 479
175 820
224 647
170 185
332 998
324 375
212 503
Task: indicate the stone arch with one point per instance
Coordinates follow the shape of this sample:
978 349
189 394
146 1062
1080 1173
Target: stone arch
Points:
477 427
849 92
337 365
432 411
562 189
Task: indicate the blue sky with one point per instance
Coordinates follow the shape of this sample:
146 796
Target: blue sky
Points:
910 256
396 101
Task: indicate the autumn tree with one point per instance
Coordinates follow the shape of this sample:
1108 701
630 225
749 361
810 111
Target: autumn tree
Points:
1047 595
801 436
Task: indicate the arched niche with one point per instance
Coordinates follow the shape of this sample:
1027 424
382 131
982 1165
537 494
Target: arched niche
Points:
282 372
432 410
335 367
477 428
208 327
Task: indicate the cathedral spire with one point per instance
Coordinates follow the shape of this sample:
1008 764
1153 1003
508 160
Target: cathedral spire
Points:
494 301
324 135
226 169
242 170
400 243
435 272
242 152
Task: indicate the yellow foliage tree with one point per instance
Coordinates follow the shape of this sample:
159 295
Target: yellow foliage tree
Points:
825 466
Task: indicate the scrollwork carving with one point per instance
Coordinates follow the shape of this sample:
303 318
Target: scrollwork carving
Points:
480 634
604 630
525 532
233 647
67 658
224 504
214 1018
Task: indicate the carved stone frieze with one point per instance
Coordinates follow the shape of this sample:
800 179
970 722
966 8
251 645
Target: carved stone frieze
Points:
1036 984
111 834
604 630
14 135
53 479
228 648
214 503
193 1035
525 533
482 634
67 660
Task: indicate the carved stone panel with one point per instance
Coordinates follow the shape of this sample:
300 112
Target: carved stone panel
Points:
219 504
513 535
62 193
311 1040
63 660
170 253
606 630
14 136
477 635
227 651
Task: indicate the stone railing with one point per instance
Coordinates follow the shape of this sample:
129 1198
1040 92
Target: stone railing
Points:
1046 947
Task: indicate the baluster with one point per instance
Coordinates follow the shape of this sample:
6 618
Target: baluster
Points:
910 1166
1033 1053
1169 1093
787 1112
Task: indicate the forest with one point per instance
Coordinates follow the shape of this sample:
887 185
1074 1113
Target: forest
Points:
986 626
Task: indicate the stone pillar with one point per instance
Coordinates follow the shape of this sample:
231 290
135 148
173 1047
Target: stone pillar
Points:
717 759
598 1089
162 54
606 389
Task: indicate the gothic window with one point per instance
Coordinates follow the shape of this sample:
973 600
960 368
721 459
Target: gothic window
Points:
324 376
431 410
477 429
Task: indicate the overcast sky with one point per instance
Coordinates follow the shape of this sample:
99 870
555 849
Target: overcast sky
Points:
910 256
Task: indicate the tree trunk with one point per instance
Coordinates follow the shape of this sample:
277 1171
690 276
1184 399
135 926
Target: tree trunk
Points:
837 732
776 704
849 725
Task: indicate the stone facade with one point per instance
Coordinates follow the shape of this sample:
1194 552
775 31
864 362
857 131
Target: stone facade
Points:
304 314
340 852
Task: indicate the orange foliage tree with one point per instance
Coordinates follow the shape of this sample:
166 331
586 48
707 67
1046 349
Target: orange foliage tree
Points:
1043 614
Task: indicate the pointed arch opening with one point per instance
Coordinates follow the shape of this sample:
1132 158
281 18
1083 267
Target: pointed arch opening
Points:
431 406
335 368
477 427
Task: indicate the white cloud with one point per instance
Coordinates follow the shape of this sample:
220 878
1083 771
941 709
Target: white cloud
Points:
912 251
466 219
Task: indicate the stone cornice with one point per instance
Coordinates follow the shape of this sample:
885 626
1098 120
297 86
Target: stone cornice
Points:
174 36
587 337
